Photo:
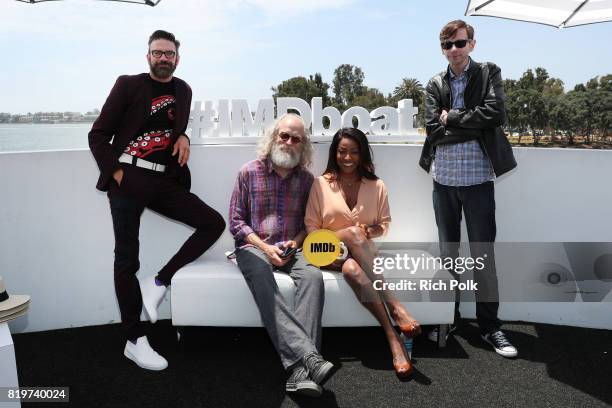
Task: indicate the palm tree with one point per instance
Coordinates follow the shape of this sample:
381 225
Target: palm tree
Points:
409 88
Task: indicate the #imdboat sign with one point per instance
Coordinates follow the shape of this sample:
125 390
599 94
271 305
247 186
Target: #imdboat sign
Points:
231 121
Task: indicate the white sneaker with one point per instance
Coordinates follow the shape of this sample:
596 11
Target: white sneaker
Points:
152 295
143 355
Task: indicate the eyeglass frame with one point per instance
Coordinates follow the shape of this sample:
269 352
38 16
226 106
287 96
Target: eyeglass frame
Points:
286 136
172 55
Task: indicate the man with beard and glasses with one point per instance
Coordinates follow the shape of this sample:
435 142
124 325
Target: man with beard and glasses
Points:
267 220
140 146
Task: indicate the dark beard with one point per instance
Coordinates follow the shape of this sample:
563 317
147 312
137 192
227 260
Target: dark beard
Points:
163 71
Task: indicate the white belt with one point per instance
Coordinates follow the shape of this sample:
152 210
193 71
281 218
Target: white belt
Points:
126 158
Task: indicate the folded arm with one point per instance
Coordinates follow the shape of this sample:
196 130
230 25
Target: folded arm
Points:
490 113
433 126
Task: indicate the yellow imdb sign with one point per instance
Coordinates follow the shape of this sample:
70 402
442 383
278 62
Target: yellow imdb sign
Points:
321 247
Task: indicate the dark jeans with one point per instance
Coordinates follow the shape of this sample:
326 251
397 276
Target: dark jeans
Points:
140 189
478 204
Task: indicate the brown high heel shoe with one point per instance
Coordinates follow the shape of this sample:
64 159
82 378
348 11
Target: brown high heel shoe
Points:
411 330
403 371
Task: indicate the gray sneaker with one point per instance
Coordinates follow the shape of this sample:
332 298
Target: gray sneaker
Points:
318 367
300 383
434 334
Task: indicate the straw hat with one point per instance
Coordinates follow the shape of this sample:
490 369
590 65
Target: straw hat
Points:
14 313
12 306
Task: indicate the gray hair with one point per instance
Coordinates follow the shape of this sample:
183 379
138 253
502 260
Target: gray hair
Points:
267 141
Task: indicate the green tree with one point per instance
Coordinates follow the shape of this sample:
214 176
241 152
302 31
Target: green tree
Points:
600 90
583 98
304 88
348 84
322 88
603 106
592 83
530 100
553 86
538 103
370 98
540 79
527 81
605 82
409 88
517 110
509 85
564 117
578 112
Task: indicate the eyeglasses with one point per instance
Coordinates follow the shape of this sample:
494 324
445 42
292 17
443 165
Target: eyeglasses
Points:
447 45
286 136
168 54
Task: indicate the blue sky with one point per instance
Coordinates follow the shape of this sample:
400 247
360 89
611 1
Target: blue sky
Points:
66 55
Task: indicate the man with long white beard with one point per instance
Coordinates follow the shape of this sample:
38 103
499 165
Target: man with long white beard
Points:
267 221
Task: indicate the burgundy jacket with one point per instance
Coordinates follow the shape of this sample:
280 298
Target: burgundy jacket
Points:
125 111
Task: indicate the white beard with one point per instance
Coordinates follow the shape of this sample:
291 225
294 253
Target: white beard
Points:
284 159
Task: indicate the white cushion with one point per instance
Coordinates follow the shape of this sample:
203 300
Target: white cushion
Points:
214 293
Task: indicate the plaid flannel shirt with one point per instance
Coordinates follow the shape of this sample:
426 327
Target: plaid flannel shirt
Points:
266 204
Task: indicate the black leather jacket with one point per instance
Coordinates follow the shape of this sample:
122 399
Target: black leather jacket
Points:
481 119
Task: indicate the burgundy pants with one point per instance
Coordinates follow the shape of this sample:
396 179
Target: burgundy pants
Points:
140 189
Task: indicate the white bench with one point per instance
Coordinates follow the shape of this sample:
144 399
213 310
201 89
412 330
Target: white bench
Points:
214 293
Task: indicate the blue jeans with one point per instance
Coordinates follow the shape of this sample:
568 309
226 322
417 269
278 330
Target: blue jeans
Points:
478 204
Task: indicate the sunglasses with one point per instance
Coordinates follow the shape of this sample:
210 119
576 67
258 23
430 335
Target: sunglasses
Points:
286 136
447 45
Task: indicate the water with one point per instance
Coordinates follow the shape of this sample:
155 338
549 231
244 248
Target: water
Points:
35 137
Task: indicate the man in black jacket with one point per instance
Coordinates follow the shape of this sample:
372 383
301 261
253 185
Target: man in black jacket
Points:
465 150
139 144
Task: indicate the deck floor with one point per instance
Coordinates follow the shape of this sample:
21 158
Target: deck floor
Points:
238 367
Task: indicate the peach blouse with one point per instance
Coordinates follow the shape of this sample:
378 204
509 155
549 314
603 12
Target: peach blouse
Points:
327 209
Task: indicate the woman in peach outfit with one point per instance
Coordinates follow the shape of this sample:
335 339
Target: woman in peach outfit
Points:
351 200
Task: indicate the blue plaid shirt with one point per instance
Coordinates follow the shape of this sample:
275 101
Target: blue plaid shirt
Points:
461 164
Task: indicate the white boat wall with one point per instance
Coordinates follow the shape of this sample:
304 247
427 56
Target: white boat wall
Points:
57 239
